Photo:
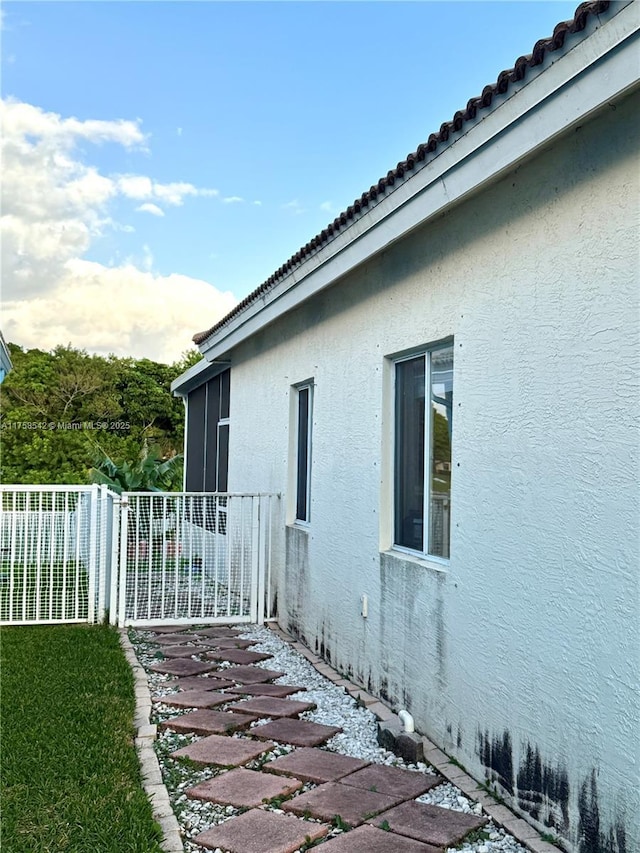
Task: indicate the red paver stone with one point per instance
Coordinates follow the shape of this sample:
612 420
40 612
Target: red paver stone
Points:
205 722
430 824
353 805
172 639
230 643
269 706
315 765
219 631
297 732
238 656
194 699
226 751
260 831
183 666
367 839
262 689
407 784
200 682
183 651
243 788
250 674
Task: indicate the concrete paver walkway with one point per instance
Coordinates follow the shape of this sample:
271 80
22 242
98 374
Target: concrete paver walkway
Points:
374 804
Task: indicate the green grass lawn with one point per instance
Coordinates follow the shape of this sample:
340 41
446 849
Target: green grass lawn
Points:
58 591
70 775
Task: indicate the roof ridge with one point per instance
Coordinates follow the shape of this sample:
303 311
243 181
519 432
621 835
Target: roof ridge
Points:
504 80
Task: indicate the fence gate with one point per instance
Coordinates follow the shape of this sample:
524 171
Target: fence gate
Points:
192 557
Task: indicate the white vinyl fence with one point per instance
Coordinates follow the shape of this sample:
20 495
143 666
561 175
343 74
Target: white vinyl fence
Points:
78 554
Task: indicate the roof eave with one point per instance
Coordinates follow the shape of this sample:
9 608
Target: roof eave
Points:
476 155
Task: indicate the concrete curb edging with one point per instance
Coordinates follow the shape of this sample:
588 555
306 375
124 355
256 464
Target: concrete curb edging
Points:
146 733
523 832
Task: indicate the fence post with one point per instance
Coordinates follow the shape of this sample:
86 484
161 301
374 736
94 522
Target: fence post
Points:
262 541
113 561
93 548
122 575
267 545
255 555
102 550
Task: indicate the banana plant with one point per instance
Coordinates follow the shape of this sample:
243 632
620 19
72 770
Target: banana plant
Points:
148 473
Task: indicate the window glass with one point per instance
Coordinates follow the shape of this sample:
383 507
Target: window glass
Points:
303 453
410 427
423 433
441 375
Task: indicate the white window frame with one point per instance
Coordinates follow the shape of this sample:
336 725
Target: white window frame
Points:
303 386
426 352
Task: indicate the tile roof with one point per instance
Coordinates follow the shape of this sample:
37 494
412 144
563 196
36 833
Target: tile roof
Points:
369 198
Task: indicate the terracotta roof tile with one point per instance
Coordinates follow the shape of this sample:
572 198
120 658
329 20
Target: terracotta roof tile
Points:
505 79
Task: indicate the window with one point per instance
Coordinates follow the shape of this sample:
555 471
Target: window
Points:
423 431
207 451
303 450
207 445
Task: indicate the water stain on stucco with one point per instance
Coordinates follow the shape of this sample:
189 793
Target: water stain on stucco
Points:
543 790
296 579
496 754
591 838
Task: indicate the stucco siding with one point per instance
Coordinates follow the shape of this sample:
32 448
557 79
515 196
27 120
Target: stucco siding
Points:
521 655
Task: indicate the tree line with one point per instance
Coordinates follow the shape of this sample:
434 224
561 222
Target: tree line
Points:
66 416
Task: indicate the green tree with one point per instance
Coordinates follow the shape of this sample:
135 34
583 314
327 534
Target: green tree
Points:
60 410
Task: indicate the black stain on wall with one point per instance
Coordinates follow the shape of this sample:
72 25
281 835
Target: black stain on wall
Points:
589 825
459 738
497 755
543 790
591 838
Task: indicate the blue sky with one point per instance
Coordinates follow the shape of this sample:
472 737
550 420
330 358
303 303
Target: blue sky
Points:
231 133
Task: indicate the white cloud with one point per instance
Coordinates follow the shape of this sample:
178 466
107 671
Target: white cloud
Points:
140 187
148 316
54 206
25 120
148 207
232 199
179 131
326 206
257 203
135 186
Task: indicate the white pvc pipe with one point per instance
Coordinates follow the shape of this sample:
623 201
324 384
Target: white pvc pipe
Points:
407 721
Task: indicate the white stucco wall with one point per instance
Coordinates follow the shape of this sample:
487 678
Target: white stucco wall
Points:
521 657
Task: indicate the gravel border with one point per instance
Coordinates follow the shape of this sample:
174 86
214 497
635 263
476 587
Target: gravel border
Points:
339 702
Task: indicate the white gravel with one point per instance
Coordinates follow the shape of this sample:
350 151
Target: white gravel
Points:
335 707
